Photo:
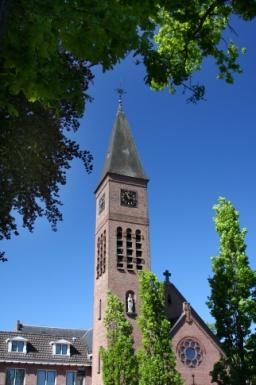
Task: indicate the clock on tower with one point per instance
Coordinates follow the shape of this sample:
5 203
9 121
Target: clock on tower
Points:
128 198
122 239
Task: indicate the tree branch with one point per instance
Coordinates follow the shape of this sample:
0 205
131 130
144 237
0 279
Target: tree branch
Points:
205 15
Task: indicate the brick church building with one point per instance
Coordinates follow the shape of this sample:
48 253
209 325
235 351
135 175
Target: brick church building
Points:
34 355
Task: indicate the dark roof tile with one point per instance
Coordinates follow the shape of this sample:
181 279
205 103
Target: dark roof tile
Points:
39 348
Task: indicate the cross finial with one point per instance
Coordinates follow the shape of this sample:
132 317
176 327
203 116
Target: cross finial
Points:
120 91
167 275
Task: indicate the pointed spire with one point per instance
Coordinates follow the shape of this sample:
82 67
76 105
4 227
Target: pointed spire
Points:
122 157
121 93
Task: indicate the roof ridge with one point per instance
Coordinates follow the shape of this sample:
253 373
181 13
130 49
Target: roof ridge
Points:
52 327
21 333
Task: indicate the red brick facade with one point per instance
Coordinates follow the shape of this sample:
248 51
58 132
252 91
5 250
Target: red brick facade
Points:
118 280
210 353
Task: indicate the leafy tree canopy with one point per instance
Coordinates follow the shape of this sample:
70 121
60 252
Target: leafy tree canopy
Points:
47 52
171 38
34 156
232 300
119 361
156 358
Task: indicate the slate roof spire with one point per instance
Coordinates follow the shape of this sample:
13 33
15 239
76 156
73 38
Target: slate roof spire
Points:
122 157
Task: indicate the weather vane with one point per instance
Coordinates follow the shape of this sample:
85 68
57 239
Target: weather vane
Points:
121 92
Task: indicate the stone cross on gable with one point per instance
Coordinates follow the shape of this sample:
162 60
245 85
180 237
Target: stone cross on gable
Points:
167 275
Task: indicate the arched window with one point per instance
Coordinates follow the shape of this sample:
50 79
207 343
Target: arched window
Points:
139 260
104 252
129 249
119 233
99 316
101 254
119 248
138 235
98 259
129 235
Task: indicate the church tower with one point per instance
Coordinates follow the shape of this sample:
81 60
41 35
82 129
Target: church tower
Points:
122 234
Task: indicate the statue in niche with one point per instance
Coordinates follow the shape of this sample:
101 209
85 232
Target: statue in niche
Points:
130 304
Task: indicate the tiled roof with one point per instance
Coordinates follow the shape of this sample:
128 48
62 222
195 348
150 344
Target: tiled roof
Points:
39 348
60 332
87 339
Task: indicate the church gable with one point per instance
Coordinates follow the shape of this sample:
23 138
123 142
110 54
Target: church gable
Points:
196 348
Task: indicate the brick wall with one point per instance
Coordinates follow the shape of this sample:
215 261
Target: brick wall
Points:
211 354
118 281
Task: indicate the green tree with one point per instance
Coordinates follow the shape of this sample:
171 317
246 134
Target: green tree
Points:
156 358
35 153
119 361
47 53
212 327
171 38
232 300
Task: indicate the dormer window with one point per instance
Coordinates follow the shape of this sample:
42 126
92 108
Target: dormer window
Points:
17 345
61 348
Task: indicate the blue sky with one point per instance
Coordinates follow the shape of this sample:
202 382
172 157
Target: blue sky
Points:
191 153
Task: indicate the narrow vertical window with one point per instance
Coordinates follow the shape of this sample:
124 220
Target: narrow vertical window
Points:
71 378
101 254
129 249
99 315
80 375
99 363
119 248
104 252
139 260
98 259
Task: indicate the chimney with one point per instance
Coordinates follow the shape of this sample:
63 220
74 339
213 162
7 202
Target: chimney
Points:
18 326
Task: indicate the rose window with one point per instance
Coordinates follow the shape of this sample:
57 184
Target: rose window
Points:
190 353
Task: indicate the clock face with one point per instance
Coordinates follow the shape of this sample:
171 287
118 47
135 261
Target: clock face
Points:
101 203
128 198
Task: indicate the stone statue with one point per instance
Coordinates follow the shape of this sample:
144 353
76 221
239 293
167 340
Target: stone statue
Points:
187 311
130 304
